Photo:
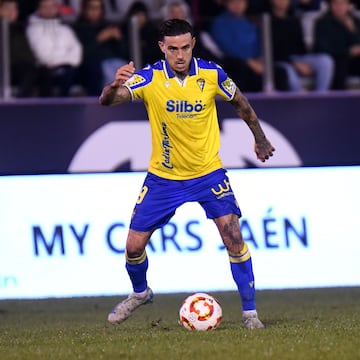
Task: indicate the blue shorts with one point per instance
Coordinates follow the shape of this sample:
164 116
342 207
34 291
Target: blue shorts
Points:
160 198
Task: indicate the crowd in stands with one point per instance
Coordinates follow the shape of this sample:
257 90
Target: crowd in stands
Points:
73 47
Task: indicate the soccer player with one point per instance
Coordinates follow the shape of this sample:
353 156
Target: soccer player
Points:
179 95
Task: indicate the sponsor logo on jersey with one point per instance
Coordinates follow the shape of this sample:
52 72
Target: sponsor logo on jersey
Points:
166 145
184 106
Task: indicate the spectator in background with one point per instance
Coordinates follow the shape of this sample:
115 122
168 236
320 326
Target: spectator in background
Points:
289 50
67 9
337 33
23 70
257 7
204 11
307 5
26 8
176 9
104 47
356 4
116 10
148 32
239 40
205 47
56 48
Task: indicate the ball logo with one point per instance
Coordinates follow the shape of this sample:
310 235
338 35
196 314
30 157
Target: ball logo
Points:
202 307
183 106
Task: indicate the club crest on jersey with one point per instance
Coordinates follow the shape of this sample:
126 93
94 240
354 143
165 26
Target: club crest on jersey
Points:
201 83
229 86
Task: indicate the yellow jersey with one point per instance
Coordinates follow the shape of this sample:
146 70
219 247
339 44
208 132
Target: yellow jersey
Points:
183 116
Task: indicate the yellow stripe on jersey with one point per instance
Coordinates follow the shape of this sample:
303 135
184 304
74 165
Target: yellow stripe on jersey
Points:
183 117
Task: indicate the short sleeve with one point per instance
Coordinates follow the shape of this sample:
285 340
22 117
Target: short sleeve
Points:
139 81
226 86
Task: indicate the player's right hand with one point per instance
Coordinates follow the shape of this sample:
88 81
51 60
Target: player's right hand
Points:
123 74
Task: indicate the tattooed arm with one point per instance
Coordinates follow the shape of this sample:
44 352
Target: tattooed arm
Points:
115 93
263 147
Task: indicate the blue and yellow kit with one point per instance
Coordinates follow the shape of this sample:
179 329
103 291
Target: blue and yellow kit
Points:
183 116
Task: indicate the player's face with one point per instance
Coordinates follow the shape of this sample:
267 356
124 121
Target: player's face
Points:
178 51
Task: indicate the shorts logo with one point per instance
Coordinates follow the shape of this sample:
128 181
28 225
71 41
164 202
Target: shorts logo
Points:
222 191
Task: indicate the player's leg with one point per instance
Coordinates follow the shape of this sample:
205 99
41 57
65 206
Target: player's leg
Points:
217 199
155 206
136 259
136 266
241 267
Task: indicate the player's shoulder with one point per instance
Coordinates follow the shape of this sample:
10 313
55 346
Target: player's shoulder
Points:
207 64
142 77
224 82
211 65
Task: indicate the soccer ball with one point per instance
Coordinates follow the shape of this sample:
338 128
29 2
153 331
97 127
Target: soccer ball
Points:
200 311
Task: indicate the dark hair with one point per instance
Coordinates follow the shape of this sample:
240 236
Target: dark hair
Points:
174 27
136 8
85 3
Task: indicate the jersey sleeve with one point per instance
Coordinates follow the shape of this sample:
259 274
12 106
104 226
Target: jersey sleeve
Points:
139 81
226 87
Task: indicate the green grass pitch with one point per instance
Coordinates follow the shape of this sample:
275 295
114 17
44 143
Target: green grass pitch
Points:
300 324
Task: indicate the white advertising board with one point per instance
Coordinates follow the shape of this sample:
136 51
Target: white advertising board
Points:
64 235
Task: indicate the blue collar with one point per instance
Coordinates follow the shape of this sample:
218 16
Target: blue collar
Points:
169 73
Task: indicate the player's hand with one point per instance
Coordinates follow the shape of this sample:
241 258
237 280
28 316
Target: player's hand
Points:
264 150
123 74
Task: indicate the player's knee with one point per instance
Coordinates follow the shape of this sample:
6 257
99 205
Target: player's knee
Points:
134 250
233 242
136 243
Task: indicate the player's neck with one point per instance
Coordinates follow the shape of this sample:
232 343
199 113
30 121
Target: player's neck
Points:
181 75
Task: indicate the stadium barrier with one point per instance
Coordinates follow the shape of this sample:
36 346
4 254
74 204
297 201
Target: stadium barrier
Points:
5 75
64 235
78 135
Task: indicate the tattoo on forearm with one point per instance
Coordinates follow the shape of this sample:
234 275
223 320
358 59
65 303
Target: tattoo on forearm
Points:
242 107
114 95
247 113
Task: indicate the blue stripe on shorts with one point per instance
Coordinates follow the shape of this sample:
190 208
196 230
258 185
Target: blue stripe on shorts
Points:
160 198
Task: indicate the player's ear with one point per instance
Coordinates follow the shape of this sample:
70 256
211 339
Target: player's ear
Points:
193 42
161 46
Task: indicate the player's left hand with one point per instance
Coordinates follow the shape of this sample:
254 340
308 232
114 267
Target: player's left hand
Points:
264 150
123 74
